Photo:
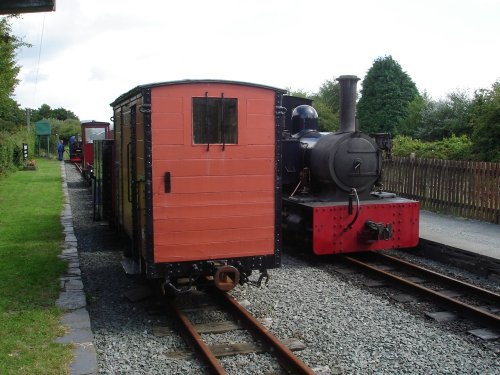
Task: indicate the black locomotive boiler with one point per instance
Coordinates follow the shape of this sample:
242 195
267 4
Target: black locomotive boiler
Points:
332 185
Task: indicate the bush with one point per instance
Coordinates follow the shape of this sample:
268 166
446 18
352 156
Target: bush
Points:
453 148
11 149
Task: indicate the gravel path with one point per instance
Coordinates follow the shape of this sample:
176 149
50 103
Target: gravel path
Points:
347 329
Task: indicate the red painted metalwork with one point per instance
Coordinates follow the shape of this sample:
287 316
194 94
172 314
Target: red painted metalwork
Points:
332 234
91 131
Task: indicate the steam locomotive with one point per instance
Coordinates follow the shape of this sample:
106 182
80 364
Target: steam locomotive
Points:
332 185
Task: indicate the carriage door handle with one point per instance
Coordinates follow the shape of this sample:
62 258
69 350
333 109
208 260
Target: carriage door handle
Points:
168 187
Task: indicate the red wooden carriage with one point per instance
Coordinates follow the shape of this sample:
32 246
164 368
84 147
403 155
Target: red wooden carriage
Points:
197 171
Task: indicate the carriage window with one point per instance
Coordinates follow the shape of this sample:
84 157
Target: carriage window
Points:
92 134
215 120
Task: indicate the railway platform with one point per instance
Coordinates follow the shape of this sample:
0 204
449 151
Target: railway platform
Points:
472 236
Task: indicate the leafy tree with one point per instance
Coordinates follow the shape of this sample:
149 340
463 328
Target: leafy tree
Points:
12 117
385 97
63 114
8 68
46 112
446 117
329 94
415 120
327 103
485 120
328 121
9 109
65 129
299 93
459 104
434 120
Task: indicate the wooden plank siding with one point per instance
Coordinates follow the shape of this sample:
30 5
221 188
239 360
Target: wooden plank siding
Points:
463 188
222 199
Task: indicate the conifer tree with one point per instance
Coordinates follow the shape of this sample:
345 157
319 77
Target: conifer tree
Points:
386 94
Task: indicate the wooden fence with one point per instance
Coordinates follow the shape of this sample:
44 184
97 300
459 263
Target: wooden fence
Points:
462 188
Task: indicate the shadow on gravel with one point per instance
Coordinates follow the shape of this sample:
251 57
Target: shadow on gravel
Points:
78 185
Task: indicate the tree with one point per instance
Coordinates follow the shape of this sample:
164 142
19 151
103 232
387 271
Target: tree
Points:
11 116
43 112
459 103
431 120
9 109
327 104
385 97
46 112
485 120
329 94
65 129
446 117
416 118
328 121
63 114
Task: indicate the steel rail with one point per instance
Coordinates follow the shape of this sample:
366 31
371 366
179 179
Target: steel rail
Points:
471 312
286 358
475 290
78 167
190 333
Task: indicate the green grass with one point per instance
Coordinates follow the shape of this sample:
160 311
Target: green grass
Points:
30 238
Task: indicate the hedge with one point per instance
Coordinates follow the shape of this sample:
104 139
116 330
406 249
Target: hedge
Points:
11 149
453 148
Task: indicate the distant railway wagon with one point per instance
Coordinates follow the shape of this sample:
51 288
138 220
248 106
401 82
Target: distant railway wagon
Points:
91 131
197 180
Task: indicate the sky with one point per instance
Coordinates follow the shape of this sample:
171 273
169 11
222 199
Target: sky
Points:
88 52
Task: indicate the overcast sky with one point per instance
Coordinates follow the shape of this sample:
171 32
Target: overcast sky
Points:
88 52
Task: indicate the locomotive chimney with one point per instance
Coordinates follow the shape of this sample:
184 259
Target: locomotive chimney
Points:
347 103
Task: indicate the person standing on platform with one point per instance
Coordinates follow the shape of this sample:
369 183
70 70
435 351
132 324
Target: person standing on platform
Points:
60 150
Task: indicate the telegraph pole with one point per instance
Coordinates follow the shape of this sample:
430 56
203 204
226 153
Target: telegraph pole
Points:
28 115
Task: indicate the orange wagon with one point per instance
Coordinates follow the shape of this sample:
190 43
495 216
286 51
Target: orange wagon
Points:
197 176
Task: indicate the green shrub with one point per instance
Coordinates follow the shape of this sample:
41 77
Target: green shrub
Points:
453 148
11 149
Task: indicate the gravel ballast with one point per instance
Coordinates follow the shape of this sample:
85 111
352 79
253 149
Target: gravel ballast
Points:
346 328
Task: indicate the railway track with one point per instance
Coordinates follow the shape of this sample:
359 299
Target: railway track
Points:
264 341
464 299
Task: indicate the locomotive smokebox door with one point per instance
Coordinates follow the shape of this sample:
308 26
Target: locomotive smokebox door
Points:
346 160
